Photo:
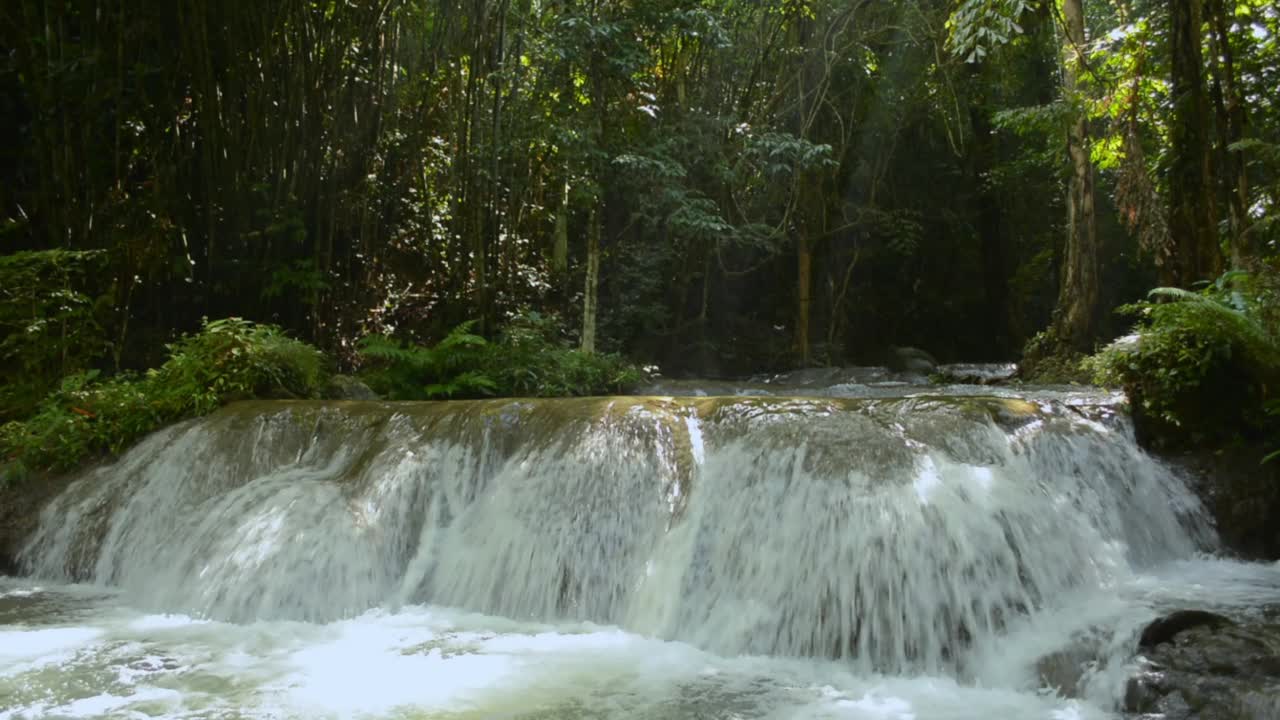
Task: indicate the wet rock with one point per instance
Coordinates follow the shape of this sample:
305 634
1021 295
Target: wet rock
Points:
345 387
977 374
1202 666
1062 671
912 360
20 504
1067 669
1163 630
1241 491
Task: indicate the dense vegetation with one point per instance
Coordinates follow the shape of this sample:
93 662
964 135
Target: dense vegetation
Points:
1203 367
529 361
88 415
461 199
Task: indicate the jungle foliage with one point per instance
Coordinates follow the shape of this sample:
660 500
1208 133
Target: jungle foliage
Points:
530 359
710 186
1203 365
89 416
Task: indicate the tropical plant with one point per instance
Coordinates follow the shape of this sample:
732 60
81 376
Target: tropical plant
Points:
88 416
405 371
1202 364
531 358
233 359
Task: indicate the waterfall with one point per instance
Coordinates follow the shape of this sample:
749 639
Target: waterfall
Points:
891 533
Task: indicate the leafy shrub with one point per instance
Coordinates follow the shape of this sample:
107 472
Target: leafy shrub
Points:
83 418
234 359
87 416
451 367
530 359
1200 364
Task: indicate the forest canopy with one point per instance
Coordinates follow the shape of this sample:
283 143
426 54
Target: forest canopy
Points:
714 187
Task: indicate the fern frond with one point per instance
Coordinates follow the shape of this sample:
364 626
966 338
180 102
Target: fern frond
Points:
474 380
437 390
461 336
381 347
1179 294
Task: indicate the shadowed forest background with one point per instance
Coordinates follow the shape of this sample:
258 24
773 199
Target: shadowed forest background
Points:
716 188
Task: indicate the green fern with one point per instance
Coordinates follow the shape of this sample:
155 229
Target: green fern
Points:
413 372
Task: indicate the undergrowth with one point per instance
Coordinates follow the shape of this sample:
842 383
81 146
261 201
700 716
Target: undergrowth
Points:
1202 366
89 416
529 359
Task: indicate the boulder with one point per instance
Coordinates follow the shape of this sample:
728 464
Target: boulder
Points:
1165 629
1198 665
912 360
1243 493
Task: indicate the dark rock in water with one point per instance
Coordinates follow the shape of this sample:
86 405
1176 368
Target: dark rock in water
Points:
913 360
345 387
1163 630
1202 666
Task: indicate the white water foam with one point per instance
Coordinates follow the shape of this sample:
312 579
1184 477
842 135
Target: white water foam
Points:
892 534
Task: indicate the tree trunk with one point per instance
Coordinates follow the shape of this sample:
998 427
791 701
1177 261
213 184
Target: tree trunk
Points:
1230 125
1191 200
589 300
804 281
1074 320
560 246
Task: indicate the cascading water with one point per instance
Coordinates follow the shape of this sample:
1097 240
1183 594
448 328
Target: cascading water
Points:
670 557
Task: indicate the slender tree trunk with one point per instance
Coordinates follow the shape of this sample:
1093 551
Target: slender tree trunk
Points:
1191 199
804 300
1077 307
592 284
560 246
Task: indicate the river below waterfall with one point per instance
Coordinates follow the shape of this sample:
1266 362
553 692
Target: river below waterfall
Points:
80 652
872 555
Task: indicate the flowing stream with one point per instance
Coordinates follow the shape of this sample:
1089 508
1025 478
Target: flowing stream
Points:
867 550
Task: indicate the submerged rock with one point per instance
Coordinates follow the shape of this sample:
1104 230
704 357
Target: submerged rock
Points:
1197 665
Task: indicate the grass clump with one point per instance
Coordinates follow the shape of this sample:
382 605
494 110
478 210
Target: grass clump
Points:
88 416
